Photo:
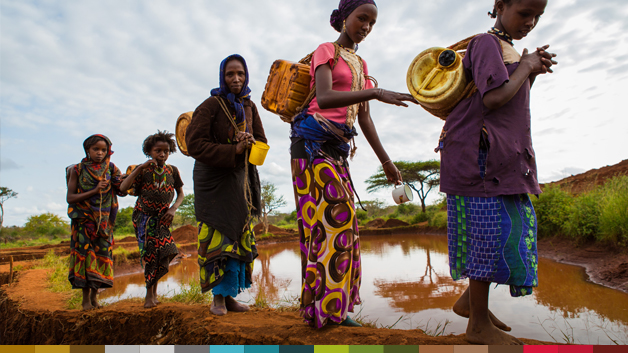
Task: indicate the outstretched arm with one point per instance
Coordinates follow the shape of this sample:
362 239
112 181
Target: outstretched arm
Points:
328 98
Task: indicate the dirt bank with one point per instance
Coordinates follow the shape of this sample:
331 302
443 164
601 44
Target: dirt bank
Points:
32 318
604 264
583 182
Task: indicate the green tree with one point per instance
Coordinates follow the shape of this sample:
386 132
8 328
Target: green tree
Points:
46 224
374 208
186 210
421 176
5 194
270 201
291 218
124 221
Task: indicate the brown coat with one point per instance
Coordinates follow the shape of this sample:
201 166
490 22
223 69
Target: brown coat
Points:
209 137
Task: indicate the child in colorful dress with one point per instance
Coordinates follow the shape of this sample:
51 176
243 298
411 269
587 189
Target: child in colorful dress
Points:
488 168
93 186
154 183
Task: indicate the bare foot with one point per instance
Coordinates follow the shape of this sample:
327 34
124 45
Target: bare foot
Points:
235 306
490 335
149 302
461 308
93 299
86 303
218 306
155 295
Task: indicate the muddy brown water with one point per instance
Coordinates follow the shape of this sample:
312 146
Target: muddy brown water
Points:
406 282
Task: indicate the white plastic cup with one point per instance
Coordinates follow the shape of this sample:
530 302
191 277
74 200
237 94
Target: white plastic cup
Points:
402 193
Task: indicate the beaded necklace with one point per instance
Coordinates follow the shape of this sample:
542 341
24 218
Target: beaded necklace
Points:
350 50
501 34
157 172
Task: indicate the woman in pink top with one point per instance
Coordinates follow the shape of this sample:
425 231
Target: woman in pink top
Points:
321 136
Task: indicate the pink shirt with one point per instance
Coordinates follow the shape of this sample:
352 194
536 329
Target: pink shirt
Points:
341 81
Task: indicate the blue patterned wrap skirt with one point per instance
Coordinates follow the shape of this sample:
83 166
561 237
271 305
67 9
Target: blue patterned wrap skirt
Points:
493 239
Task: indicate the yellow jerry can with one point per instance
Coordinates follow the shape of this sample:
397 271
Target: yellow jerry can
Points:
287 88
437 80
182 125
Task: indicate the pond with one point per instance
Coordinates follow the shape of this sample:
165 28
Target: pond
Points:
406 283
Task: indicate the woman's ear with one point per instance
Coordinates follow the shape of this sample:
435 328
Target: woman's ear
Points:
499 7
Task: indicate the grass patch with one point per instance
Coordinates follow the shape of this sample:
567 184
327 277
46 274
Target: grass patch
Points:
261 302
436 331
24 242
271 236
189 293
122 255
58 279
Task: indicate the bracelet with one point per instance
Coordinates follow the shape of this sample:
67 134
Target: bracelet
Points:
383 164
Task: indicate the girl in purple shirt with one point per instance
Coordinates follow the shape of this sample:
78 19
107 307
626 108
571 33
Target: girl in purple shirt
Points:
488 168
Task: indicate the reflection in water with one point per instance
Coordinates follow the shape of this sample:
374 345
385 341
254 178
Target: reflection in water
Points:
266 283
432 290
408 275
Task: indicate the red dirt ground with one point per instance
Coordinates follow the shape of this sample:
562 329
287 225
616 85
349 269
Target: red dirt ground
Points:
29 318
392 223
185 234
376 223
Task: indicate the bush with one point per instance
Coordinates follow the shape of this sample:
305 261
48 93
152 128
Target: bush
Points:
419 217
438 220
552 210
407 208
46 224
291 218
614 211
584 217
361 215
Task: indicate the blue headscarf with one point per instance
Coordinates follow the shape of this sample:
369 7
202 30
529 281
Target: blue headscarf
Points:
225 92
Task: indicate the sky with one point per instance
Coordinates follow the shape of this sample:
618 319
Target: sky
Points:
69 69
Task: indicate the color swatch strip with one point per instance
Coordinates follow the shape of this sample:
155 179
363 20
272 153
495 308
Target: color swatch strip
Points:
315 349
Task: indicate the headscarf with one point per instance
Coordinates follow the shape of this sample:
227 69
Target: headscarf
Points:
345 8
225 92
100 209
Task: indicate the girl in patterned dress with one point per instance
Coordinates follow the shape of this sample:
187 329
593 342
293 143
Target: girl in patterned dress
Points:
154 183
324 194
93 186
488 169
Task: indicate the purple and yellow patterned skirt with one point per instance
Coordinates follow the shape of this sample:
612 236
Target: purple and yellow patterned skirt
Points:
329 241
493 239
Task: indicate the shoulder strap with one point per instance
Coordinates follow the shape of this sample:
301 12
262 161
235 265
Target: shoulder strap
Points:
307 60
225 109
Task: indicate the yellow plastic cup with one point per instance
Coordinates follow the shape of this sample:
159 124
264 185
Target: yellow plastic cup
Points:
258 153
